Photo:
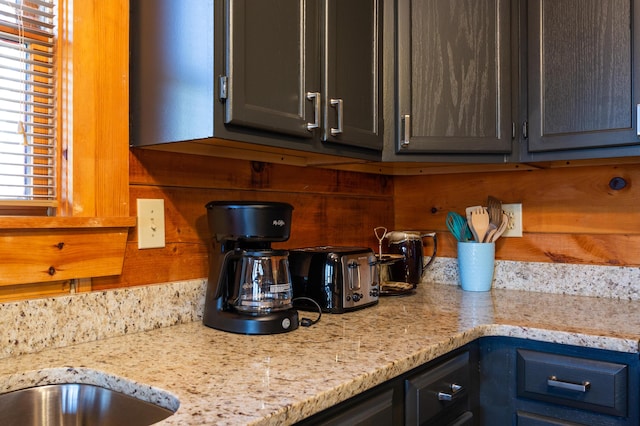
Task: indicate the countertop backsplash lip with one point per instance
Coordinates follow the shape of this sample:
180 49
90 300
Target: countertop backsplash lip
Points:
52 322
37 324
615 282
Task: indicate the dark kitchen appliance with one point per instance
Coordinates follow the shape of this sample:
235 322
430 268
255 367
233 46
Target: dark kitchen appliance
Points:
339 279
409 244
249 289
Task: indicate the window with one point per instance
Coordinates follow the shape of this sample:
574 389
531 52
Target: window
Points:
28 154
86 235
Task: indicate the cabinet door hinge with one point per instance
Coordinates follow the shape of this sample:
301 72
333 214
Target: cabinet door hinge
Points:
525 129
224 81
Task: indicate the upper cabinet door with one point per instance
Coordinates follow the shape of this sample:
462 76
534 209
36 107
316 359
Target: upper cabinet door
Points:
454 76
271 62
582 65
352 73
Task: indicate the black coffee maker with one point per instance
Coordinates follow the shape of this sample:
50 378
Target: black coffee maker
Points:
249 289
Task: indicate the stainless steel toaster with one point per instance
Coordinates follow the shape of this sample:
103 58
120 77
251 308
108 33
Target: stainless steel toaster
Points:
339 279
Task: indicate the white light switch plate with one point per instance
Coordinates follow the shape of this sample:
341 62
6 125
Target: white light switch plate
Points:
150 223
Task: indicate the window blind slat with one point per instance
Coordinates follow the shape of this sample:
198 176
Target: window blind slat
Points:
28 142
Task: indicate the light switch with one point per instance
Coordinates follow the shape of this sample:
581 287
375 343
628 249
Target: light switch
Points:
150 223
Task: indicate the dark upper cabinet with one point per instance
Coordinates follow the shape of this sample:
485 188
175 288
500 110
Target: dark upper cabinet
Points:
582 65
271 59
352 78
301 75
514 80
453 77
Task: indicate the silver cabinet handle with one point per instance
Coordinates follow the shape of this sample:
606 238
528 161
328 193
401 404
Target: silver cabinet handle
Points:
638 120
406 134
456 392
315 97
561 384
337 103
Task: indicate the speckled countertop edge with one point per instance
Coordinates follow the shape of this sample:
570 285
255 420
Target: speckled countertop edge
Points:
221 378
38 324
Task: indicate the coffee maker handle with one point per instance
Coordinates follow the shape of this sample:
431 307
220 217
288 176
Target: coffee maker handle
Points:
223 268
435 249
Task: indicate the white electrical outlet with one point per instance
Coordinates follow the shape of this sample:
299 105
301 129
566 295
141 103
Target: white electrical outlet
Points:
514 212
150 223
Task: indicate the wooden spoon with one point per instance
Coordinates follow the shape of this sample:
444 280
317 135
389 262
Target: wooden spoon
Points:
480 222
469 211
503 226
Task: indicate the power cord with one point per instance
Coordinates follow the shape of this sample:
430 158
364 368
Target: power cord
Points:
308 322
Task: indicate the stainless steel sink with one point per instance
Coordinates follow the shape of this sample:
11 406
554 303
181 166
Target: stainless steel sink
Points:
76 404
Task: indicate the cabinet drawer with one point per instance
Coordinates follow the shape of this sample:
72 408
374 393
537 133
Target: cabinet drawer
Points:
440 394
530 419
577 382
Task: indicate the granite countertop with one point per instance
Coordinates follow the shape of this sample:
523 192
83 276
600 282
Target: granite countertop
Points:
223 378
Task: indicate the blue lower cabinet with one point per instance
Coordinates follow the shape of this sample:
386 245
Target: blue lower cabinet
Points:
529 419
442 392
441 395
530 383
503 381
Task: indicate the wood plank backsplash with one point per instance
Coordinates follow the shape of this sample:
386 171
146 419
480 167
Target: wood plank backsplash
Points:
330 208
570 215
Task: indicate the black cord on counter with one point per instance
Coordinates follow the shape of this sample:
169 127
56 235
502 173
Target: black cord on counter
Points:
308 322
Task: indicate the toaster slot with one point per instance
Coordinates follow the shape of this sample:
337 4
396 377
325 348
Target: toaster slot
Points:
353 272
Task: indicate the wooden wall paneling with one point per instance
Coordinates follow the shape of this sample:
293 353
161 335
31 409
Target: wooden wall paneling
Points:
330 208
149 167
599 249
31 291
570 215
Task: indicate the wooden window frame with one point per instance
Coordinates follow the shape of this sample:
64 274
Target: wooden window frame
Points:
87 237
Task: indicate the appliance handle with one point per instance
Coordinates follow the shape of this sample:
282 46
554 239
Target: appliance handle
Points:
435 249
223 272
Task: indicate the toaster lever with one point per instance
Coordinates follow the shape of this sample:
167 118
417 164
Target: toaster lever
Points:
354 275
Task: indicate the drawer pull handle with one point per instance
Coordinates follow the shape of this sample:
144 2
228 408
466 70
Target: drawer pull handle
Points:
560 384
456 392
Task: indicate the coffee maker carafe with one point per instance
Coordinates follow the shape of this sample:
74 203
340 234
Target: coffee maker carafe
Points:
249 289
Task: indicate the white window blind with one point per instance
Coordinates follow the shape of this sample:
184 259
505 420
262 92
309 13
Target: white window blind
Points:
28 153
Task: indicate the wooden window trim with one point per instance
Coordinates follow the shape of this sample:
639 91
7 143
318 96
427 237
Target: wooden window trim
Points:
87 238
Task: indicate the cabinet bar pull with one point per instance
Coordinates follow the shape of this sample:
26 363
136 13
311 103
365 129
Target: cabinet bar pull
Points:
315 97
406 134
456 392
638 120
224 82
561 384
337 103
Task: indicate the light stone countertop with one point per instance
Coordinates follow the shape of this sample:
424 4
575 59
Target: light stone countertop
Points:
224 378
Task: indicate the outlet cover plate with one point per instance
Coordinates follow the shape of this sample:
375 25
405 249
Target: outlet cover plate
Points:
514 211
150 223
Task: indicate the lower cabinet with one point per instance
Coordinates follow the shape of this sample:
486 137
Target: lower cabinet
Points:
503 381
441 392
529 383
